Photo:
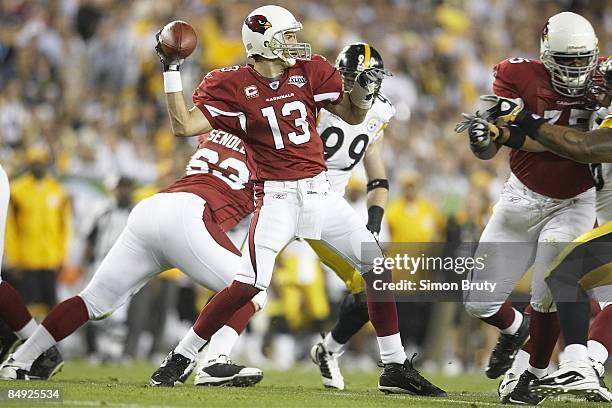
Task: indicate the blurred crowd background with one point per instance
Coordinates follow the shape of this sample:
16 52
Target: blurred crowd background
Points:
84 135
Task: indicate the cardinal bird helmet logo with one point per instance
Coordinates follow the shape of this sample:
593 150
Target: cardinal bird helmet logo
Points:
258 23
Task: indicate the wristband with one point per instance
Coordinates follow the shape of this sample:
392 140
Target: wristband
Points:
516 139
172 82
530 123
377 183
375 216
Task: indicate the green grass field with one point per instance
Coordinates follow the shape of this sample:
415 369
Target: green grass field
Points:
125 386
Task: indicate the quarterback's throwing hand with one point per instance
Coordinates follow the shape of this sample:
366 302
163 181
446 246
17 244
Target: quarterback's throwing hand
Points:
503 109
169 62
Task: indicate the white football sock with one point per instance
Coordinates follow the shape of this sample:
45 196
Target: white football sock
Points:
39 342
521 362
28 330
391 349
190 344
538 372
331 344
597 351
576 353
221 343
518 320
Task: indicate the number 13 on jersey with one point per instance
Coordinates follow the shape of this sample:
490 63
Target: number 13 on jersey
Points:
287 110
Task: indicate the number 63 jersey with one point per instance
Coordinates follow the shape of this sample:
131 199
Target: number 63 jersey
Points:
218 173
345 145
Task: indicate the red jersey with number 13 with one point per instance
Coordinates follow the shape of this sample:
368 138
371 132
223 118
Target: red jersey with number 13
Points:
545 172
218 173
277 119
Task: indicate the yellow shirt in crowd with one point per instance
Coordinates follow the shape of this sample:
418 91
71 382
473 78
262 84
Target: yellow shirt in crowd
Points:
39 223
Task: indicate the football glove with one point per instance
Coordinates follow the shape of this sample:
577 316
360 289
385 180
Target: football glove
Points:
367 84
170 64
503 109
481 132
375 216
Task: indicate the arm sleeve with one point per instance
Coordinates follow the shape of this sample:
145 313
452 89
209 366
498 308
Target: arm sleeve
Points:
326 83
217 101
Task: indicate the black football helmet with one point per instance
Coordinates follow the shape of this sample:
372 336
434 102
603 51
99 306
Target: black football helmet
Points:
353 59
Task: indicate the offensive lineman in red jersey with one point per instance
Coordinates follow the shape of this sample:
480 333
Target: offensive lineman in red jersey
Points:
181 226
272 105
548 200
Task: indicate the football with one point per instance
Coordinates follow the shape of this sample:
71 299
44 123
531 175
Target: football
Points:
178 39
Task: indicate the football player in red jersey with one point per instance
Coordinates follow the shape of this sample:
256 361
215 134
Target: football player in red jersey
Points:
272 105
582 267
182 226
13 311
548 200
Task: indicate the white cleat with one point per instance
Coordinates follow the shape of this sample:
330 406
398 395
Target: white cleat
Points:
10 370
507 384
328 365
223 372
576 378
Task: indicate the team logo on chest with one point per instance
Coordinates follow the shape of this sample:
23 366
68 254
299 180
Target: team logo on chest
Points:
372 125
251 92
297 80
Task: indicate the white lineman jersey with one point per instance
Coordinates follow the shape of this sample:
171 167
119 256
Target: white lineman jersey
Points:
345 145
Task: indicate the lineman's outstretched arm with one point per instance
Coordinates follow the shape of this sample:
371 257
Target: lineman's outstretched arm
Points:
378 185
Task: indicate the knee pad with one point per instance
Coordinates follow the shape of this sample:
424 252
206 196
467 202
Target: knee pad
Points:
260 300
482 310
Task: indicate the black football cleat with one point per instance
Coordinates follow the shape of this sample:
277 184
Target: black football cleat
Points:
170 371
8 342
521 395
46 365
405 379
506 348
223 372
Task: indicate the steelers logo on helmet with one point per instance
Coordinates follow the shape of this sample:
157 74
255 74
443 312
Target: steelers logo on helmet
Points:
258 23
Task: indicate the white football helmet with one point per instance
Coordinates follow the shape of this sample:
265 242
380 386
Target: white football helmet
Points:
263 34
565 37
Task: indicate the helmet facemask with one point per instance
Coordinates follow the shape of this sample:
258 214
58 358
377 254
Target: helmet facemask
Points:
289 51
568 79
348 78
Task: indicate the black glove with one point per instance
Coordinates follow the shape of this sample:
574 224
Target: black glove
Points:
481 133
170 64
375 216
367 84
